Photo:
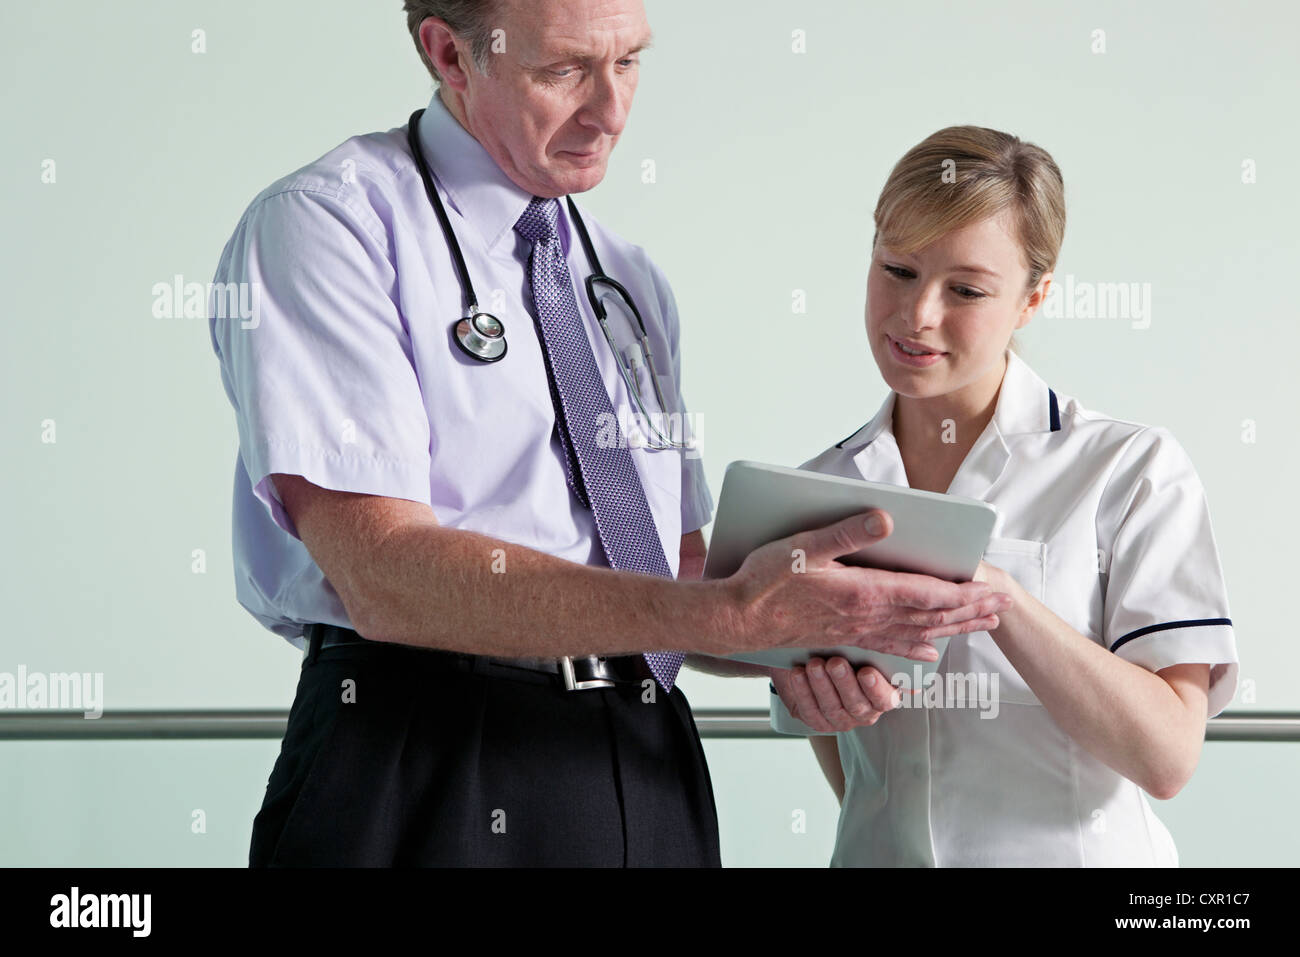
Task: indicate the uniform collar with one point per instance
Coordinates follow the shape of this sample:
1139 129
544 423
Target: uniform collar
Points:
489 200
1025 405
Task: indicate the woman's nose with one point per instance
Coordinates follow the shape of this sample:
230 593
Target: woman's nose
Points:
923 311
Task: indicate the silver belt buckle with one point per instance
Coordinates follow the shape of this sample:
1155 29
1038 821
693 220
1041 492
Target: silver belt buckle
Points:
570 679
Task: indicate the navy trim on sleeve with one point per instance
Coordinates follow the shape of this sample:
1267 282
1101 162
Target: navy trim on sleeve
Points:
1190 623
771 688
1053 411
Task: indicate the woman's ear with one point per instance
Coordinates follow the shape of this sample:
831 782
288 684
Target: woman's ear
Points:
1035 299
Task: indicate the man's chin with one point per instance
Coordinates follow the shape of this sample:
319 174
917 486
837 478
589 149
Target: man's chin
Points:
581 180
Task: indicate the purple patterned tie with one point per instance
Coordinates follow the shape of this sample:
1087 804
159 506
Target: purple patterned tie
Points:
614 494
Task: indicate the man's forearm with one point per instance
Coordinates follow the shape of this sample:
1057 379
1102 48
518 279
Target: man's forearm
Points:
459 590
726 668
691 566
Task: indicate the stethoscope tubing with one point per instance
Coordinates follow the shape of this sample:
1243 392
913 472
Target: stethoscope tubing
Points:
464 330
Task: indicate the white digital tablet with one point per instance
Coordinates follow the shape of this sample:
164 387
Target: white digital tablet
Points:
940 535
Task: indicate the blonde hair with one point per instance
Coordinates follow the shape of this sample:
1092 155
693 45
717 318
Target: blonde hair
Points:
963 174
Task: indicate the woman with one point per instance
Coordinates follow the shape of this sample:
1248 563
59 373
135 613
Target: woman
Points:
1118 645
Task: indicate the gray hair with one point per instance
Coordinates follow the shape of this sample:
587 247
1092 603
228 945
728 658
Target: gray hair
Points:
469 19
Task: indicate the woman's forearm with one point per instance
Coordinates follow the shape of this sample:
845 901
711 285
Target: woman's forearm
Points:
827 749
1130 718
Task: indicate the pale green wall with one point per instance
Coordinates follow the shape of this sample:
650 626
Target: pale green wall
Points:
768 164
134 804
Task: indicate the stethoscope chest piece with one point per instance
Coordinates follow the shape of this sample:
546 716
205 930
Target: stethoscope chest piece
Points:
481 336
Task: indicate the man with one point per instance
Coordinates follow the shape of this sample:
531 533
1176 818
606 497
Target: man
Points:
440 533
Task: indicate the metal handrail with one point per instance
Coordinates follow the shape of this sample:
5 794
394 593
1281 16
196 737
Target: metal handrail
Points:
233 724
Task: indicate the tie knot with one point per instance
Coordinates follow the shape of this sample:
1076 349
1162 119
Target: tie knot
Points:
539 219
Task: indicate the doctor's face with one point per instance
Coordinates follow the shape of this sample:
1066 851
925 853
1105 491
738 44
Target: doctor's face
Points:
556 99
958 301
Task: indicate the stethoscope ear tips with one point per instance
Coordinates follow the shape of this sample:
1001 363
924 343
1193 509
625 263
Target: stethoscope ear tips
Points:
481 336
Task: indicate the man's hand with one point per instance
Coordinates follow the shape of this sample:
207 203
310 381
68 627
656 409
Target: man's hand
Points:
831 696
794 592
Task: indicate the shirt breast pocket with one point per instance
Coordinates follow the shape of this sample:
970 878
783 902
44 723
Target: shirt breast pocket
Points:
977 653
660 425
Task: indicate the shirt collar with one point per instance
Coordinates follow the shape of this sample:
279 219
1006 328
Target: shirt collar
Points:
477 187
1025 405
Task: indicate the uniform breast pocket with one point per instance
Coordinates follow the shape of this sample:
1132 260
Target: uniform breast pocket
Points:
655 409
978 653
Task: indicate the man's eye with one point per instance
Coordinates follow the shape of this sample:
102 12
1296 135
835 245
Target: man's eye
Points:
551 74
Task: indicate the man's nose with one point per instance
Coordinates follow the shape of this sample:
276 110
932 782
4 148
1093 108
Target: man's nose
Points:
607 106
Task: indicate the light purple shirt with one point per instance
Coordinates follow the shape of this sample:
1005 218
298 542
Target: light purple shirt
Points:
348 375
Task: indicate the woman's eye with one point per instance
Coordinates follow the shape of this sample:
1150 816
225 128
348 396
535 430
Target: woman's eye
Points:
899 273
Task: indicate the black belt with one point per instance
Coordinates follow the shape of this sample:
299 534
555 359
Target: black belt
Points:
570 673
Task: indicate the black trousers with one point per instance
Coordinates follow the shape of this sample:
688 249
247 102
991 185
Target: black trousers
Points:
389 760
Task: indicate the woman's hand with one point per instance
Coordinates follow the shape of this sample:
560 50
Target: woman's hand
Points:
989 574
830 696
1001 582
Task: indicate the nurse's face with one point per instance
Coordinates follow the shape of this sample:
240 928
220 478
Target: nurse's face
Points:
958 300
556 98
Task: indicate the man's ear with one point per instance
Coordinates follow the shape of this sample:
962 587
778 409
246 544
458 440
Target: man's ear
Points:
444 50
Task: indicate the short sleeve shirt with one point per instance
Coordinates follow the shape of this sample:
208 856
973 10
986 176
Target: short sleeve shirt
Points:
1104 521
341 366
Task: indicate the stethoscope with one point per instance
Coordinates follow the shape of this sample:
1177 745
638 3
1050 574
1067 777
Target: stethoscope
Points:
482 335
